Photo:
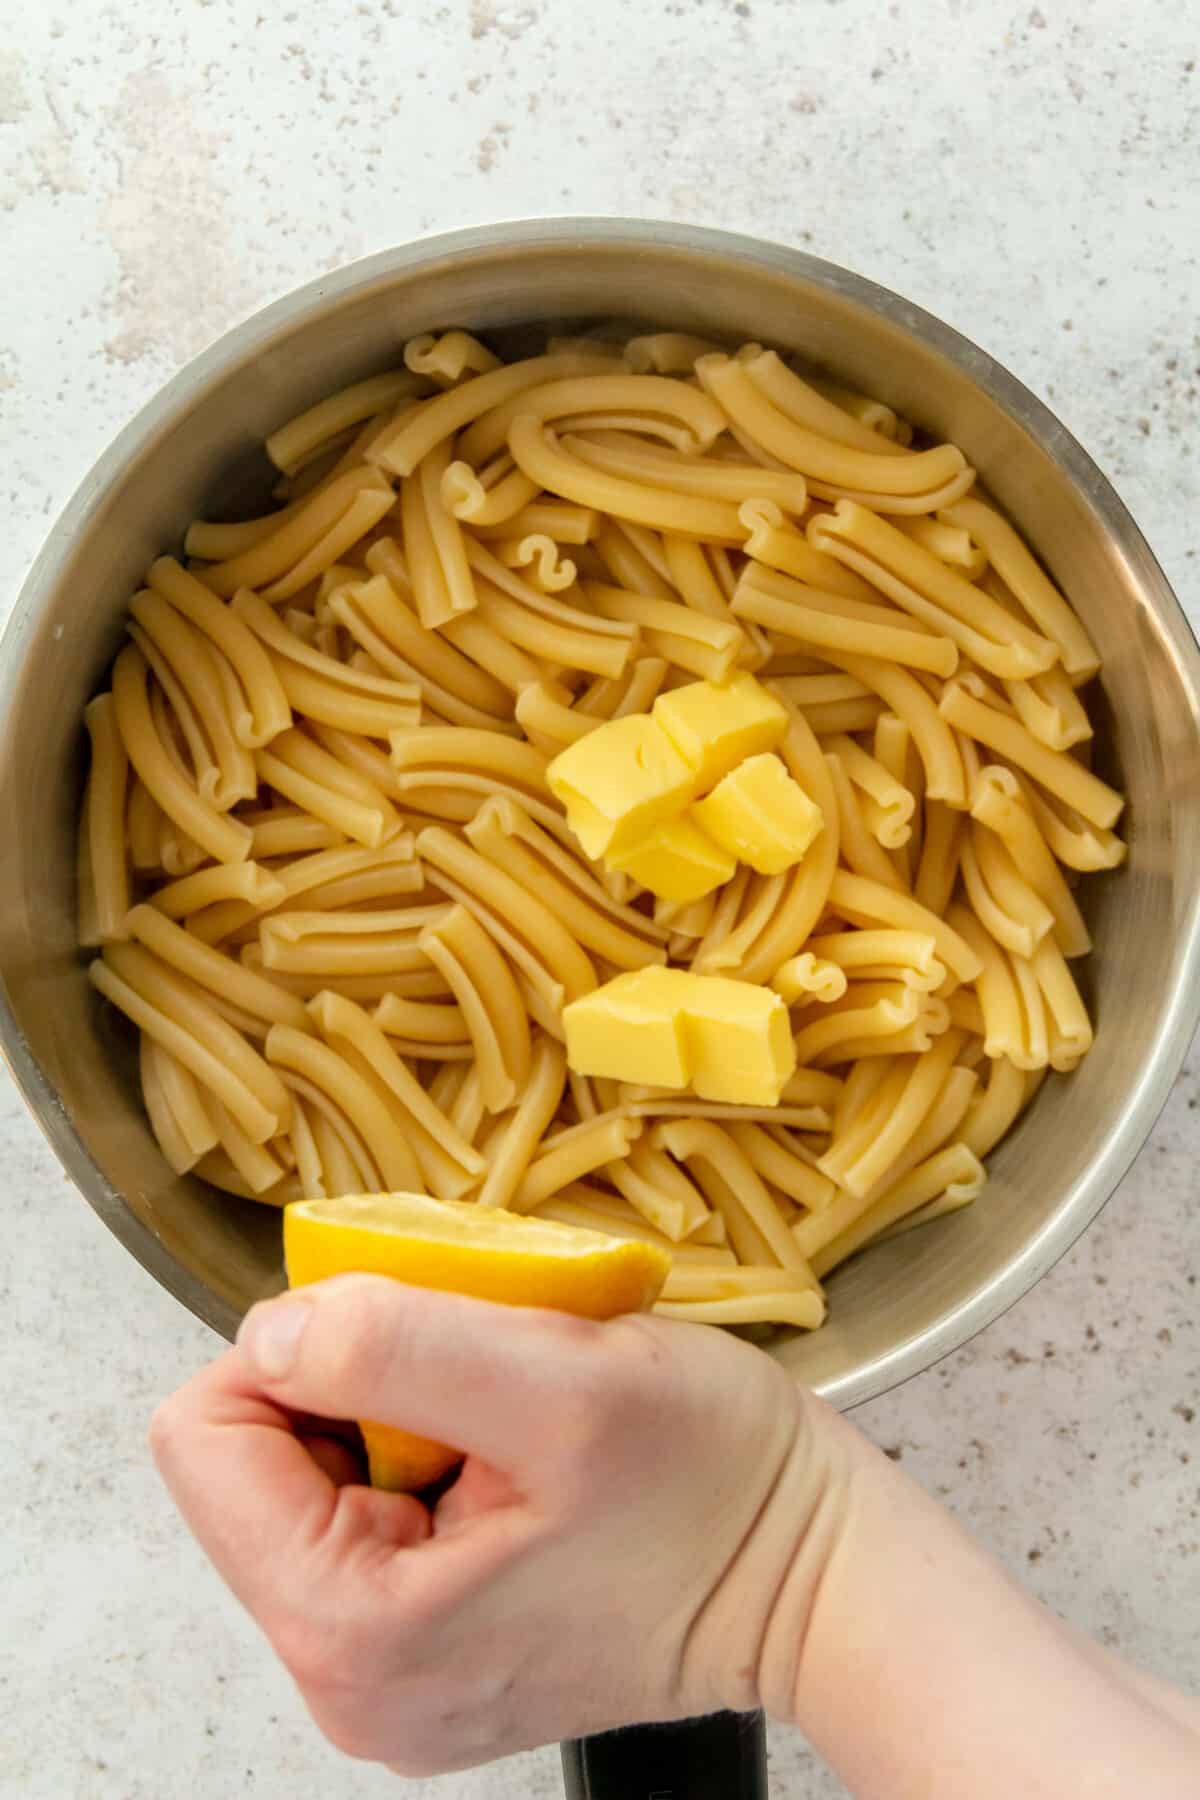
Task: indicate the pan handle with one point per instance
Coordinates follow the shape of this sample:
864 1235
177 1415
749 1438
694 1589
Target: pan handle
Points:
722 1756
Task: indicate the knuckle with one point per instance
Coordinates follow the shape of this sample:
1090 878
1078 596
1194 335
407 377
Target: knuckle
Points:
637 1364
597 1408
622 1391
571 1345
640 1339
572 1334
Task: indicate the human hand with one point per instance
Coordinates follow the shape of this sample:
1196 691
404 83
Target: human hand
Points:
636 1533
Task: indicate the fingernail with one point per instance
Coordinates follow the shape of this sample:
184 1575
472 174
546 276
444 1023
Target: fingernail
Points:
270 1334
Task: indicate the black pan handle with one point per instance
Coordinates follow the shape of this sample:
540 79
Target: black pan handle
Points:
722 1756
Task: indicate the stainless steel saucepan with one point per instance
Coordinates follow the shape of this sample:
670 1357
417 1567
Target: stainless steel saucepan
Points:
197 448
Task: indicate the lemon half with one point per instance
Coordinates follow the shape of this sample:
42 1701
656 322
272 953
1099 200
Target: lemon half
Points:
463 1248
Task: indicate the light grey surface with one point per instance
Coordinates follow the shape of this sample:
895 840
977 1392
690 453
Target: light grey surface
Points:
1029 179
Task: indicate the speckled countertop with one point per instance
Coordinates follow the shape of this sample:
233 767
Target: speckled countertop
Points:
1028 173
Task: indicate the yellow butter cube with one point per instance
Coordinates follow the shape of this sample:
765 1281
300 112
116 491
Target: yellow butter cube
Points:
632 1028
760 815
715 728
619 781
677 861
740 1042
729 1040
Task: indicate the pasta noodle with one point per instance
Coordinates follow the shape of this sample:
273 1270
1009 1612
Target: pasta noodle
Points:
691 640
538 552
620 453
775 546
808 973
920 482
571 1154
225 839
998 805
490 1002
186 1022
447 1159
1050 708
546 460
872 413
554 636
666 352
558 520
505 834
317 877
751 1200
932 592
605 394
322 687
808 406
327 882
294 442
893 801
449 413
142 821
629 566
880 1134
526 1124
1065 778
1032 587
375 614
309 542
955 1172
356 1096
104 872
834 622
449 356
949 543
861 850
194 664
300 770
224 978
807 889
1011 912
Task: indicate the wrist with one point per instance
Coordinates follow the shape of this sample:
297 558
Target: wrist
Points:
749 1640
817 1506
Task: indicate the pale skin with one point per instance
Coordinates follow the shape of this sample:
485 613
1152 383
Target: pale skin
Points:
652 1521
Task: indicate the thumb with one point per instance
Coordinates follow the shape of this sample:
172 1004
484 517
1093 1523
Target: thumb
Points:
494 1381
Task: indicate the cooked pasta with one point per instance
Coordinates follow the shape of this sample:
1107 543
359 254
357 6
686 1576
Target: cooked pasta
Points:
328 881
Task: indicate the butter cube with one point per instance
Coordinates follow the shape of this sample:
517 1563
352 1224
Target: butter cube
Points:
715 728
729 1040
619 781
740 1042
676 860
632 1028
760 815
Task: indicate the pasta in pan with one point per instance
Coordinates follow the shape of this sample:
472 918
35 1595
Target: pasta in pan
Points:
326 876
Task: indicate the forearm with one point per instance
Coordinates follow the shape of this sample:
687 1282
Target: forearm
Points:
925 1673
1172 1701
